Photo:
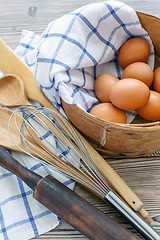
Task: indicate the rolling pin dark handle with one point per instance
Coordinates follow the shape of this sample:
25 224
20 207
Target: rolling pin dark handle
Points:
78 212
12 165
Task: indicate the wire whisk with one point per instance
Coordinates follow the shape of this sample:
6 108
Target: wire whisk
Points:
49 136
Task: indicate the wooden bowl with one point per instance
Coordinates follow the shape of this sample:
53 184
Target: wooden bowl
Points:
121 140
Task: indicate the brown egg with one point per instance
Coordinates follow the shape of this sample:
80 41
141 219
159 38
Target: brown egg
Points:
103 84
133 50
151 111
140 71
129 94
108 112
156 81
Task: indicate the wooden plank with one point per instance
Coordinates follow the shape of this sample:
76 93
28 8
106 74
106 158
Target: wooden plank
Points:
35 15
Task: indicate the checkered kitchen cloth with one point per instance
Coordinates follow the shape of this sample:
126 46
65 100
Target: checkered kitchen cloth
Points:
76 48
66 58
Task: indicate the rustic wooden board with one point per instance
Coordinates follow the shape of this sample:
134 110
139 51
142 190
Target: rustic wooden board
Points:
142 175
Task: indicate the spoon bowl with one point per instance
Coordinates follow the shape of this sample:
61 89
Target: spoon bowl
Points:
12 91
10 137
5 139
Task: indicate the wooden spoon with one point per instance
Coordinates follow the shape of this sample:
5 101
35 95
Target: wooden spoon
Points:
11 63
8 129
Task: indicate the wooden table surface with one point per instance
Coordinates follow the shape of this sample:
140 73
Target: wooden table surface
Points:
142 175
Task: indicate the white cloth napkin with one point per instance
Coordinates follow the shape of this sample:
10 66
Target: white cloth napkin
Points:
66 58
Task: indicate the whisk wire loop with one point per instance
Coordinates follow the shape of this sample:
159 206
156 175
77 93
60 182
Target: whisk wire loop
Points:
71 135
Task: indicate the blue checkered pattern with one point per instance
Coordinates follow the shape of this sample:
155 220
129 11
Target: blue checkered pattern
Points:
66 59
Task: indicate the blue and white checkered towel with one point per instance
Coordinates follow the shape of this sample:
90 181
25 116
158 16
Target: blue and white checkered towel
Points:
66 59
76 48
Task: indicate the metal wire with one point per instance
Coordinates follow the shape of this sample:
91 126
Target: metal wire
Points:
65 153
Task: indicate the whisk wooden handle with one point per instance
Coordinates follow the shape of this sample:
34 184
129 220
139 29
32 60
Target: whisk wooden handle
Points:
68 205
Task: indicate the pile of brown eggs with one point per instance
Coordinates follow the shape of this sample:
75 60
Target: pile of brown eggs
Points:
138 89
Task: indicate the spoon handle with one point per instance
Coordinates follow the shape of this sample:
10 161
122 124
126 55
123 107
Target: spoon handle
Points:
67 204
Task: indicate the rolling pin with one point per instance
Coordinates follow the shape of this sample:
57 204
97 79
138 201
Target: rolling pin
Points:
67 204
